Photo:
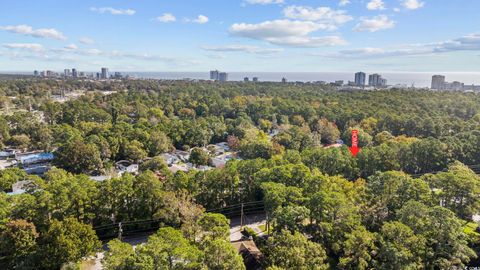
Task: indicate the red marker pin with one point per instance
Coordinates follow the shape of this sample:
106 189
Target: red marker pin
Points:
354 149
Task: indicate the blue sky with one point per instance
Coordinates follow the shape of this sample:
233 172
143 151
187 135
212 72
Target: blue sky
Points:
242 35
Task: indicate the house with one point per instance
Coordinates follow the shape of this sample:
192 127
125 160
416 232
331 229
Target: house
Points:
38 169
218 148
125 166
221 160
179 167
252 256
100 178
170 158
8 153
7 163
21 187
182 155
35 158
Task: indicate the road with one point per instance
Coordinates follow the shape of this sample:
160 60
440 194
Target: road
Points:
253 221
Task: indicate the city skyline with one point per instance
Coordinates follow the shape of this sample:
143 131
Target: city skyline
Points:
272 36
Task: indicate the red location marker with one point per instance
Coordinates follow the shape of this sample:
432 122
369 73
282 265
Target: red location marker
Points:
354 149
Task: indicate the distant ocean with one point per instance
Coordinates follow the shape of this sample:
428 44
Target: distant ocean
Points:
419 79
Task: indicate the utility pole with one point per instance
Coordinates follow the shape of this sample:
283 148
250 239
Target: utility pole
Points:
268 225
241 218
120 231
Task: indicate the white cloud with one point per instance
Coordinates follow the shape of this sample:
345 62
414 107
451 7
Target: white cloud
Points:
35 47
40 33
91 52
242 48
376 5
264 2
86 40
71 47
287 32
201 19
466 43
370 52
166 17
343 3
469 42
113 11
412 4
374 24
320 14
276 29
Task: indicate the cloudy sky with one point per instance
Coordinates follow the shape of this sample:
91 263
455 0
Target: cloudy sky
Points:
241 35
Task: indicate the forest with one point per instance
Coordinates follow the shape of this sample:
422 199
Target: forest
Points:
407 201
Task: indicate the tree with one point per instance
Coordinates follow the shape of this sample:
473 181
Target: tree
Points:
159 143
359 249
425 156
364 138
446 242
393 189
290 217
277 195
214 226
119 255
294 251
68 241
10 176
18 245
221 255
332 161
297 138
328 131
21 141
198 156
399 247
156 164
134 151
334 216
78 157
458 189
168 249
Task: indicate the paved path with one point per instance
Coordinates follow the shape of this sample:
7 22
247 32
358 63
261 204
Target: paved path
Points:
251 221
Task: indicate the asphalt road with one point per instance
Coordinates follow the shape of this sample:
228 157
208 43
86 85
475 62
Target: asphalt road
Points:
253 221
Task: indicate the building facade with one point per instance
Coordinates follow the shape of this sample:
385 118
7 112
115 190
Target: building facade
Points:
105 73
360 78
438 82
214 75
222 76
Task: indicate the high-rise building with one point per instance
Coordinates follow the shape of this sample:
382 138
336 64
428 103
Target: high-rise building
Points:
360 78
66 72
376 80
454 86
222 76
74 73
118 75
214 75
438 82
105 73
